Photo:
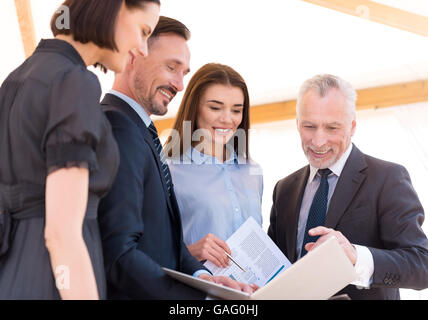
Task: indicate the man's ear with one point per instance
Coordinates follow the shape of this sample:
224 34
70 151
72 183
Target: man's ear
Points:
131 60
132 56
353 127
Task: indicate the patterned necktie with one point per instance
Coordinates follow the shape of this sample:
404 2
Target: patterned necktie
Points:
165 169
318 209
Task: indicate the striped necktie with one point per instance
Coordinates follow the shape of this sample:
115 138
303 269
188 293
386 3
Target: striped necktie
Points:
318 209
165 169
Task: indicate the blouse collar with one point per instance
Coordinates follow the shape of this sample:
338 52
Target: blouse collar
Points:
61 47
198 157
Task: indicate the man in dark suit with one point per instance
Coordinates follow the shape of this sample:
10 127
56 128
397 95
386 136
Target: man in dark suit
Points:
367 203
139 218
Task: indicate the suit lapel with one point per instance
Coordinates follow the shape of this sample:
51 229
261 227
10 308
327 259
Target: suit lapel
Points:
292 212
347 186
149 141
111 102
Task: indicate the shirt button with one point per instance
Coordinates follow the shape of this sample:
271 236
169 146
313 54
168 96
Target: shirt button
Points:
236 209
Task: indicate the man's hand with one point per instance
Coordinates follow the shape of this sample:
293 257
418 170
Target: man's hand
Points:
326 233
228 282
211 248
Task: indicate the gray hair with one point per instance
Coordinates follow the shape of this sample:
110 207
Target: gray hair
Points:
322 84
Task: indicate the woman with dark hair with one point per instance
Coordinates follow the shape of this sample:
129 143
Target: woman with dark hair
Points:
58 156
218 186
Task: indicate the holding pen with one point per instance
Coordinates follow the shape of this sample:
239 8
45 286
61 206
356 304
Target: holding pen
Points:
214 249
233 260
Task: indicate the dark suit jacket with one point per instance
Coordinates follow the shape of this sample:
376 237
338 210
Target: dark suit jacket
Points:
373 205
140 224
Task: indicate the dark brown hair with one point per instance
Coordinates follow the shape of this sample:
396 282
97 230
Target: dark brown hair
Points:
94 20
169 25
207 75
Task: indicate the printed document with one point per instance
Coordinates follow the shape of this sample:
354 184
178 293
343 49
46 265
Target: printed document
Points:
256 253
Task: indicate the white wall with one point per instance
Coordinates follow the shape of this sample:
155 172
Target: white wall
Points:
398 134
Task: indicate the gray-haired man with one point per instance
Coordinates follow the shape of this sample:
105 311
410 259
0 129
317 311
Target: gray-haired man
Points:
368 204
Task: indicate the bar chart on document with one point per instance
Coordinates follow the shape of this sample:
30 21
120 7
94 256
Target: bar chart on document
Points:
256 258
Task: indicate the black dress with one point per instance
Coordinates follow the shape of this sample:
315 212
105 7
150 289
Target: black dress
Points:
50 118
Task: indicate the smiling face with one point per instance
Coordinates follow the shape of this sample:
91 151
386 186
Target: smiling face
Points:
220 112
159 76
133 28
325 127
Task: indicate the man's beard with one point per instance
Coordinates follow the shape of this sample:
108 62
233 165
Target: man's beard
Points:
155 108
320 163
149 103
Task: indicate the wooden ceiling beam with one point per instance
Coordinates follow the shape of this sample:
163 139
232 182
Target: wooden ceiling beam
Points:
26 26
380 13
371 98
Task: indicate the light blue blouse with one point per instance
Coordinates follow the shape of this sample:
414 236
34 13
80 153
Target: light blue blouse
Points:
215 197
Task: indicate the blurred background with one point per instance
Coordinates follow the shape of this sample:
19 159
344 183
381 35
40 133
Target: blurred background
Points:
380 47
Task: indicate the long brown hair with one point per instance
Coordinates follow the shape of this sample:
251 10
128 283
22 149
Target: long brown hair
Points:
207 75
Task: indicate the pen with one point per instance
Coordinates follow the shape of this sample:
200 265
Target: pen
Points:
230 257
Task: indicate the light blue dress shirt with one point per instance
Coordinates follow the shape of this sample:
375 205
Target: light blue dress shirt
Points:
215 197
134 105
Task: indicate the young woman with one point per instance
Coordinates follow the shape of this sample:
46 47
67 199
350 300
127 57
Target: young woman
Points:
58 156
217 185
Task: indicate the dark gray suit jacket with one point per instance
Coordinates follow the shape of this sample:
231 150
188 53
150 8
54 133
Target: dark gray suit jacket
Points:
374 205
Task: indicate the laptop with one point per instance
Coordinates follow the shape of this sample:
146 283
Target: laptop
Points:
320 274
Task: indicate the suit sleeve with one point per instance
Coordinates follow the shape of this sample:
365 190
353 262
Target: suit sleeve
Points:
272 226
128 269
189 263
404 262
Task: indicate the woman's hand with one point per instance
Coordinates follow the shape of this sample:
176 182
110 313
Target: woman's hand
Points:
211 248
